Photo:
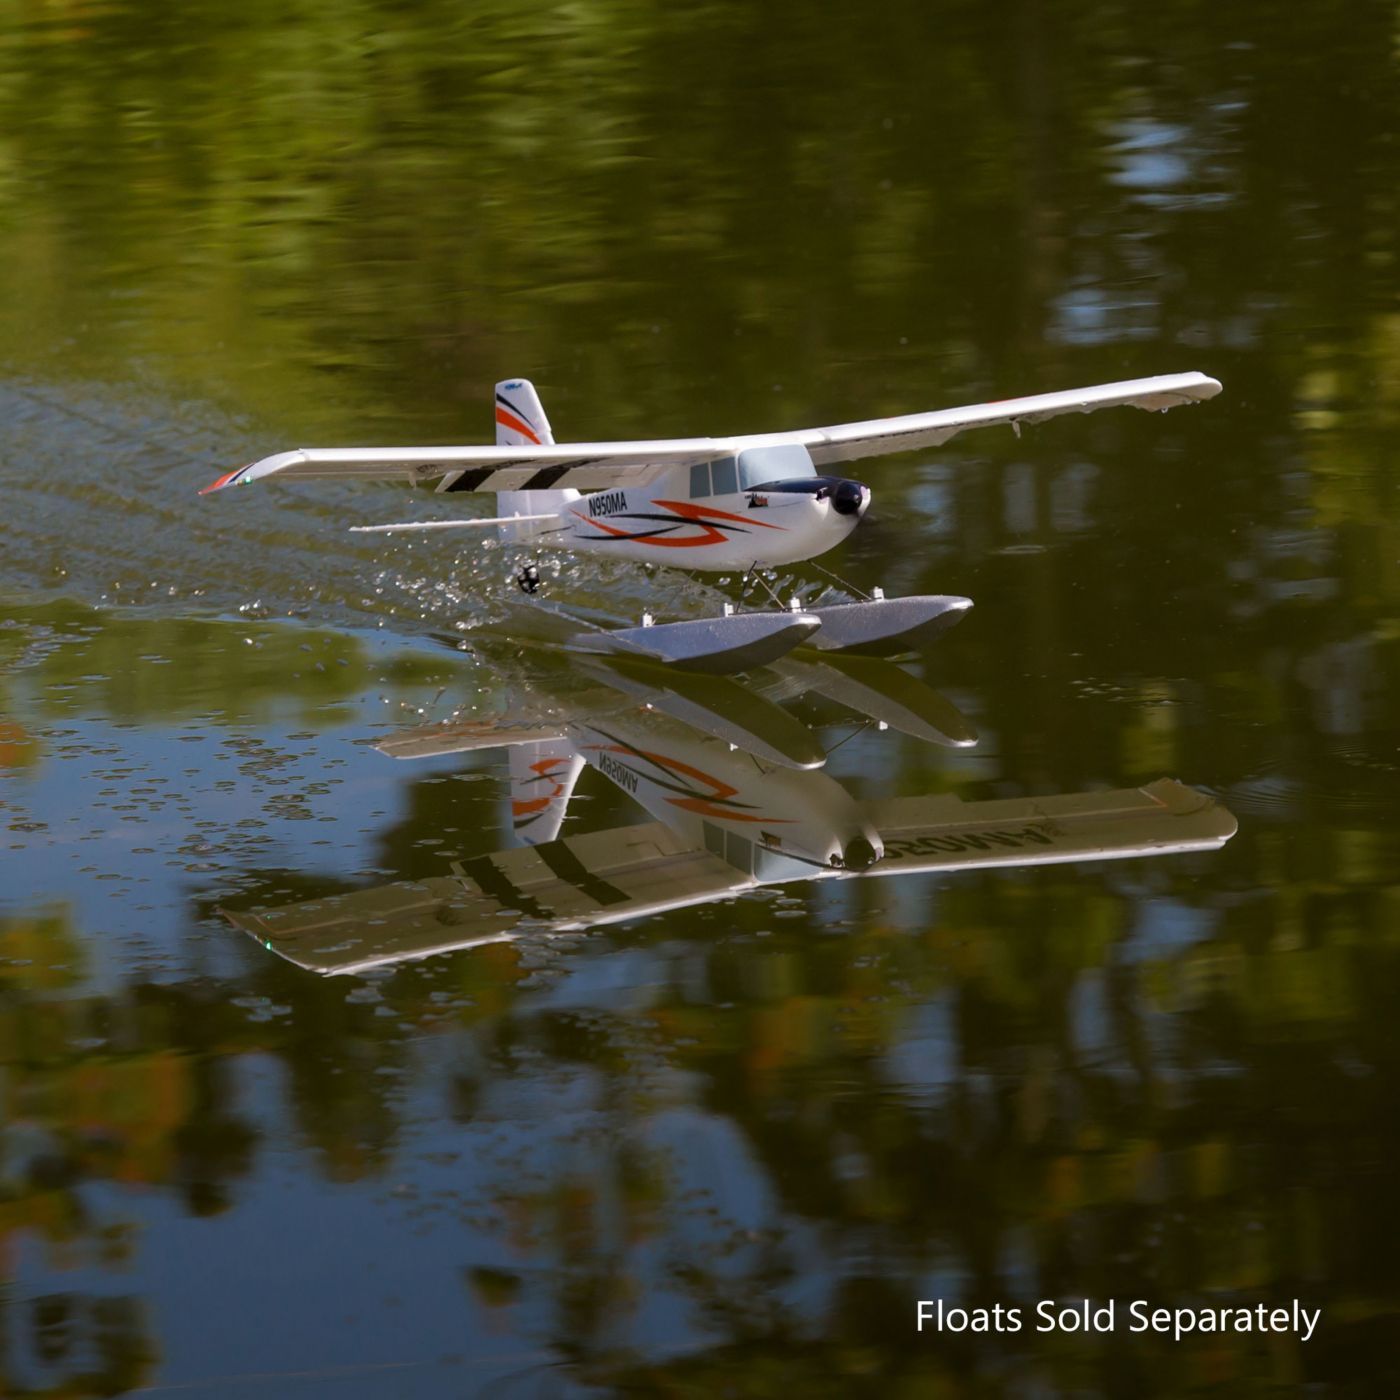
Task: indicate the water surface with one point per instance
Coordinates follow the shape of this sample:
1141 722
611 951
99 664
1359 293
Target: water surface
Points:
728 1147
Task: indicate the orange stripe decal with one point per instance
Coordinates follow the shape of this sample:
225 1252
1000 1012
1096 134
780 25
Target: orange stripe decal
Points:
545 770
509 420
703 804
687 512
702 513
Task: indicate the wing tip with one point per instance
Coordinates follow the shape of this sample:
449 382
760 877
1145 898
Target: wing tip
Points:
227 479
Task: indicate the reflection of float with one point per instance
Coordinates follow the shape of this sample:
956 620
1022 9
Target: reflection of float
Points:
737 804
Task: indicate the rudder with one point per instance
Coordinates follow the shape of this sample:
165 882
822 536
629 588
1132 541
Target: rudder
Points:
520 417
521 422
542 778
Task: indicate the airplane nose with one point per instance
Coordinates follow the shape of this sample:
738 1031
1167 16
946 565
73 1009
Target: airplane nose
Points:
849 498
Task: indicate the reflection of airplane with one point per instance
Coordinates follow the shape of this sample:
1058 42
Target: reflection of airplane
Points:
606 877
747 502
724 823
684 778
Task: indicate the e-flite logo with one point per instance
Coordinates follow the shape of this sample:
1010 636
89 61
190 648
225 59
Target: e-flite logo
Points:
607 503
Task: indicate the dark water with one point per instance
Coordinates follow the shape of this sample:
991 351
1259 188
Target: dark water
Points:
724 1149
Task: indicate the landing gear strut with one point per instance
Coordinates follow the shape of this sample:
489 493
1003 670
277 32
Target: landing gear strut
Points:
753 574
528 579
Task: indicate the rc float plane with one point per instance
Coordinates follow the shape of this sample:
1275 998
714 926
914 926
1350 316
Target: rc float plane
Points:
748 503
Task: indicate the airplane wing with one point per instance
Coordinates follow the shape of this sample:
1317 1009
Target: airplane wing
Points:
586 466
848 442
591 466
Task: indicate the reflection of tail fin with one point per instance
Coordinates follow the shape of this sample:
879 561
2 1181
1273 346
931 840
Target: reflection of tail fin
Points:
542 778
521 422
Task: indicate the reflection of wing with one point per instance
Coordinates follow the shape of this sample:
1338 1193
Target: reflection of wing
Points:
945 833
591 466
603 877
847 442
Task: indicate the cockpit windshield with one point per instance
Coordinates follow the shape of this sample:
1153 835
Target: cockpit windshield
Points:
759 466
786 462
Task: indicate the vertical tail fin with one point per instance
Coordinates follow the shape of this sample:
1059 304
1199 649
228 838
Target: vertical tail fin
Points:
521 422
520 419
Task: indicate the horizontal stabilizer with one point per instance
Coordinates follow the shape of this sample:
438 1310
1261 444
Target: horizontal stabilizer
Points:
448 524
434 740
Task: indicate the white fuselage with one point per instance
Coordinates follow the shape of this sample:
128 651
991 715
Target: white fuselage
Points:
768 506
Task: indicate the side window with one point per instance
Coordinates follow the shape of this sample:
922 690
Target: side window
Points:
699 480
731 848
726 476
738 853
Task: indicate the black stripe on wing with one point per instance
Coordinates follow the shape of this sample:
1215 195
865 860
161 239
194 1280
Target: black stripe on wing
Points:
563 861
494 881
474 478
471 478
547 476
